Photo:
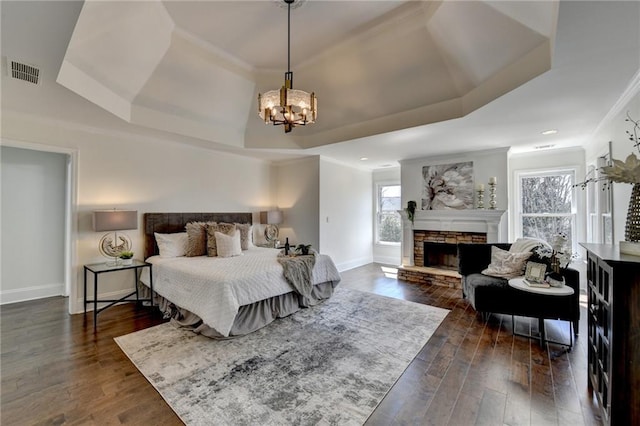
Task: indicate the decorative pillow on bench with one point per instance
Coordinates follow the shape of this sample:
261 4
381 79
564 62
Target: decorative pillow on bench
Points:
505 264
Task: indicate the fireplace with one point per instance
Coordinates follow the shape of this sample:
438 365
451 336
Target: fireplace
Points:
429 244
440 255
441 247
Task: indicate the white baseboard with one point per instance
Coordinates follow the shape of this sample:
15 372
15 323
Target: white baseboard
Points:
388 260
31 293
345 266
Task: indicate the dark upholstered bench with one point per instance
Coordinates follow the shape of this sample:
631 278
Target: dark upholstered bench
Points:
494 295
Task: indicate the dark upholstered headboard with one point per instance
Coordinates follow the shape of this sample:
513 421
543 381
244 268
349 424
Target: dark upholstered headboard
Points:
169 223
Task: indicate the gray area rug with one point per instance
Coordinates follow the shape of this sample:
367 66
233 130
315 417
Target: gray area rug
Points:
331 364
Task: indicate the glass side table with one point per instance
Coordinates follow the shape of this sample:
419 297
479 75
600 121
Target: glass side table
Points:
102 268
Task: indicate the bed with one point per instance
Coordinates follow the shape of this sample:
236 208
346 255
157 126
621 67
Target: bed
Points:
223 297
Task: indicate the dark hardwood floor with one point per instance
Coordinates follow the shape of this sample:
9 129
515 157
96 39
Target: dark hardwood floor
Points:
55 370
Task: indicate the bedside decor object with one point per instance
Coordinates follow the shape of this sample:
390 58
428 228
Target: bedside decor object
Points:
126 257
480 198
492 192
287 106
112 243
272 218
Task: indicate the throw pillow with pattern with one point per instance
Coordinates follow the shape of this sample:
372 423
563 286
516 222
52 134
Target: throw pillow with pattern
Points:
223 228
505 264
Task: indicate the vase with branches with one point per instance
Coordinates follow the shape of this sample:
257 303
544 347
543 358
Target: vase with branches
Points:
627 171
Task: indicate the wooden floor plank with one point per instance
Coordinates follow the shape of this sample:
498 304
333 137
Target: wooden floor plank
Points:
56 370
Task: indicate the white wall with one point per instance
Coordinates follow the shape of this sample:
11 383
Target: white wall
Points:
346 216
33 224
119 171
297 194
486 164
389 254
614 129
569 158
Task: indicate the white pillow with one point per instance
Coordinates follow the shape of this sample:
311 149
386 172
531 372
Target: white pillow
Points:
506 264
228 245
172 245
527 244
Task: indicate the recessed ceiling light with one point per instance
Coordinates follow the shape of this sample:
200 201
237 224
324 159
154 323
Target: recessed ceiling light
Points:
363 158
550 132
385 165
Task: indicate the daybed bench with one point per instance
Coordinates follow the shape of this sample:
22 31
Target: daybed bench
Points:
489 294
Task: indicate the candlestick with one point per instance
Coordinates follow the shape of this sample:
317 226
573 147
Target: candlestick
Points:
493 180
492 193
480 187
480 190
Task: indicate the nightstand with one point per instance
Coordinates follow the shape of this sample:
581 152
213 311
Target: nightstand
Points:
102 268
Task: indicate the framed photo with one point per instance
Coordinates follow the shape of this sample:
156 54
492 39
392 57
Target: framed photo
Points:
535 272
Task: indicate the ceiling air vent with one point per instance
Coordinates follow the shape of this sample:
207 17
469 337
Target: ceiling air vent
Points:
24 72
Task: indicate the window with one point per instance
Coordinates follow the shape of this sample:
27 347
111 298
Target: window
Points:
388 223
547 204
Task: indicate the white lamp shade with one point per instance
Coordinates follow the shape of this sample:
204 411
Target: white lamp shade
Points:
274 217
115 220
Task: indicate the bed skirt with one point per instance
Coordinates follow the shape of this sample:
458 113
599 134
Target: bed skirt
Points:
250 317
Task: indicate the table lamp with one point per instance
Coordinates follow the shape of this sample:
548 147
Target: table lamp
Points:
272 218
114 243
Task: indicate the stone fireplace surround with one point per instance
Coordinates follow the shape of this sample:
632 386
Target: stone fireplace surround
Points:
445 226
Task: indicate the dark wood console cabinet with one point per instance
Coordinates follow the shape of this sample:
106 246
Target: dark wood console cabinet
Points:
614 333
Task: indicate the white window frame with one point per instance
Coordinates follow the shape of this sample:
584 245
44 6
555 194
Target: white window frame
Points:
518 201
379 186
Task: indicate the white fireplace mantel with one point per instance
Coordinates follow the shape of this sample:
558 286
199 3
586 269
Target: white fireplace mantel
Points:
491 222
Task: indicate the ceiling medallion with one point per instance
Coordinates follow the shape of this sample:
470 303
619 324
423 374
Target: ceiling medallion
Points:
287 106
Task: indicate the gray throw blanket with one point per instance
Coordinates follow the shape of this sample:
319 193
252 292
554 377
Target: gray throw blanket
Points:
298 271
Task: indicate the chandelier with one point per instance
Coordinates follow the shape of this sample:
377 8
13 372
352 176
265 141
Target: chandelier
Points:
288 106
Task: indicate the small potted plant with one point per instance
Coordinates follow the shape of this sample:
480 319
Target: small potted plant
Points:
411 210
126 257
303 249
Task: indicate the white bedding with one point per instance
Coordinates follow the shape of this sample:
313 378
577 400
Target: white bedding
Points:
214 287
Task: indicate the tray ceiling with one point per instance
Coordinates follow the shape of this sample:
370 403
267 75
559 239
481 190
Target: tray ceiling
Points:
195 68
